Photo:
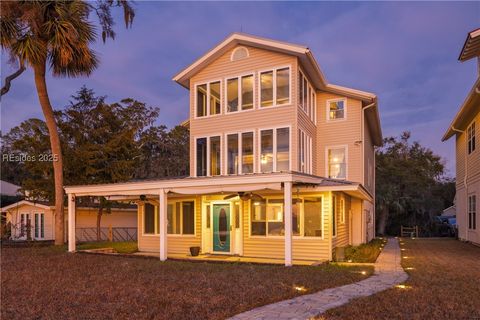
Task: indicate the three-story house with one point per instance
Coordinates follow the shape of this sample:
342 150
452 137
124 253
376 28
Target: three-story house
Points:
282 163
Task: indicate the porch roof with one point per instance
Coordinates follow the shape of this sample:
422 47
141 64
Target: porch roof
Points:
219 184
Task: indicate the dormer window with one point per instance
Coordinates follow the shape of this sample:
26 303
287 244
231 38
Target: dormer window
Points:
239 53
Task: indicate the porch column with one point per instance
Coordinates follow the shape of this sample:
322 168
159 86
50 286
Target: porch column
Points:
163 225
287 196
71 222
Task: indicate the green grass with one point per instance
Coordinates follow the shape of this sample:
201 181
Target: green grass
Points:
365 253
120 247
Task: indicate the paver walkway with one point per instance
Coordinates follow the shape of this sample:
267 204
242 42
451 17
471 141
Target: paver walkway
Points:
388 273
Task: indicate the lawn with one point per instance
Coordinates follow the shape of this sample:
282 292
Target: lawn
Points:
49 283
367 252
120 247
444 284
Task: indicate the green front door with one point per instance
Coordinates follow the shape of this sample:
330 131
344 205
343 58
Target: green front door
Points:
221 227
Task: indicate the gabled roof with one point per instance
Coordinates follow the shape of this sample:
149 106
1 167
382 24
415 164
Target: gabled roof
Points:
27 203
306 58
467 112
471 47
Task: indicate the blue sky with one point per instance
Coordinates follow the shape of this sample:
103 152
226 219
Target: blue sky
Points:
406 53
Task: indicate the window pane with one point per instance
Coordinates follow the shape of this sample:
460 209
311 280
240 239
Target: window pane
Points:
247 152
247 92
177 224
300 90
266 156
296 216
275 217
232 95
201 100
42 225
232 154
305 94
312 217
188 212
202 157
336 110
283 86
236 207
149 219
170 217
283 149
208 216
266 88
215 156
258 218
337 163
334 215
37 223
215 97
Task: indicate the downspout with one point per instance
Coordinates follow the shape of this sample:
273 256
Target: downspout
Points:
465 174
362 122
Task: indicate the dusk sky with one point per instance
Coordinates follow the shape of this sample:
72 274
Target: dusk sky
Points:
406 53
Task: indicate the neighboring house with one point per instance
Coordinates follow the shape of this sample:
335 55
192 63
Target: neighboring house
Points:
466 128
40 216
449 212
9 189
281 162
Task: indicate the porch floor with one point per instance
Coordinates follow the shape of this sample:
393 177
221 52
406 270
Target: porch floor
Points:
228 258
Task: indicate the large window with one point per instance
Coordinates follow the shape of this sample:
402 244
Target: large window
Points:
275 87
201 149
208 99
472 212
240 93
306 97
337 163
336 109
275 150
208 156
181 217
233 161
150 219
39 225
305 155
247 152
215 156
312 217
267 218
471 138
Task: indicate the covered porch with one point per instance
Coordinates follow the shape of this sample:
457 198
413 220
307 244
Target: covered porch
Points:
255 218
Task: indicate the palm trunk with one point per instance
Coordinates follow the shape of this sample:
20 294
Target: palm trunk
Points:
99 222
40 83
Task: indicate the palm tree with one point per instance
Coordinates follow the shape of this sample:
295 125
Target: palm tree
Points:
60 33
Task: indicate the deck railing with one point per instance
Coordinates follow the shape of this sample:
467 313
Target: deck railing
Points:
113 234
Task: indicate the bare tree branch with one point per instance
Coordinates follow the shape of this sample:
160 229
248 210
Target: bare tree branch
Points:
10 78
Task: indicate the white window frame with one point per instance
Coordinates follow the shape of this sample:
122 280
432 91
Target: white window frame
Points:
327 164
342 207
310 107
345 108
239 79
222 161
195 113
156 232
274 84
471 136
302 219
175 235
259 147
240 151
39 214
307 152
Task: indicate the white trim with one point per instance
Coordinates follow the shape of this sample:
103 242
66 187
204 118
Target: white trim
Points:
25 202
71 223
208 173
235 50
259 142
327 164
342 207
195 101
274 86
162 216
239 80
327 107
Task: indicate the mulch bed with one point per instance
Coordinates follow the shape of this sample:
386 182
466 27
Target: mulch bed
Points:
444 284
48 283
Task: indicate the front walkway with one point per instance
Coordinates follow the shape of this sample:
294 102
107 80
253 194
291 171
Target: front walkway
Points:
388 272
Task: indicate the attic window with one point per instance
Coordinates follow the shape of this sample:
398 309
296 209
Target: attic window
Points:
239 53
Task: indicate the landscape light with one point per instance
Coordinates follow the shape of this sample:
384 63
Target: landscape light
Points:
364 272
409 268
402 286
300 289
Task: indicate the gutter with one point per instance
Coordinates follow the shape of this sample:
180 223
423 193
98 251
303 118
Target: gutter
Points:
465 174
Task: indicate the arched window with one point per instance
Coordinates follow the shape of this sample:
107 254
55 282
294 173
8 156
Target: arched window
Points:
239 53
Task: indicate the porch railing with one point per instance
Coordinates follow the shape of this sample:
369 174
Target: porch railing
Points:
113 234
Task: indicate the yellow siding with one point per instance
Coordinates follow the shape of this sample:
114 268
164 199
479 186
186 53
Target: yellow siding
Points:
176 244
302 248
256 119
343 231
340 132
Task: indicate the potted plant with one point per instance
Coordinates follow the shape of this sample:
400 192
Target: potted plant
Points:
194 251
